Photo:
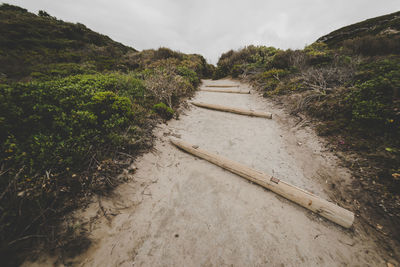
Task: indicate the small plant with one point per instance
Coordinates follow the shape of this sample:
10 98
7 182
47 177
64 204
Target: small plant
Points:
166 85
318 54
236 63
164 111
188 74
43 13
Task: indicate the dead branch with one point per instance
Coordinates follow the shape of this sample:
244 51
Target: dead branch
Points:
25 238
103 210
11 183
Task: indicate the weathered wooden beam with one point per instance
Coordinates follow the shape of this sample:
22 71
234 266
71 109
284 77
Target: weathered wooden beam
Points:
234 110
222 86
226 91
306 199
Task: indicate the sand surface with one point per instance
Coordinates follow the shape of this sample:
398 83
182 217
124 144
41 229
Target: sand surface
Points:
179 210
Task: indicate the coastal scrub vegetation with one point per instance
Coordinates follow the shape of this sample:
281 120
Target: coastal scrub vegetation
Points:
348 83
75 107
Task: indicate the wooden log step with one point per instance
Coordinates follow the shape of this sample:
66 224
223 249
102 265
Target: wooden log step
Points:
222 86
234 110
226 91
299 196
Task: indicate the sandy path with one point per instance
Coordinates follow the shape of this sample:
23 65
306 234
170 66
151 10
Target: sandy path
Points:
182 211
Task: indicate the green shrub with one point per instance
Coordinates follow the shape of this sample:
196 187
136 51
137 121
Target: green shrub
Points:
164 111
165 53
282 60
52 130
286 86
56 122
188 74
372 45
374 101
236 70
60 70
318 54
275 73
270 79
166 86
220 72
43 13
235 63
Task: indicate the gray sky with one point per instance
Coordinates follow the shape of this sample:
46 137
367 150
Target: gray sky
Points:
211 27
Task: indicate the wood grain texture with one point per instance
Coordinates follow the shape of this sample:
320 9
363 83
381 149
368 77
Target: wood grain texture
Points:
234 110
222 86
226 91
306 199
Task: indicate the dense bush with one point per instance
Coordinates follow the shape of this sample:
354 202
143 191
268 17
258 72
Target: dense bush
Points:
53 127
43 13
372 95
318 54
282 60
163 110
239 62
189 74
59 70
51 131
375 99
165 53
271 78
151 59
372 45
167 86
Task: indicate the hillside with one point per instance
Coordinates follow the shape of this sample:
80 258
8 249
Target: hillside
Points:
347 86
379 27
39 46
33 44
75 109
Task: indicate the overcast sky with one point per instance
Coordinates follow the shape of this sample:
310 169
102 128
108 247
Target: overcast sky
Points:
211 27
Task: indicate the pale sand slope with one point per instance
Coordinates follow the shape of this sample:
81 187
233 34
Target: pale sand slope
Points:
183 211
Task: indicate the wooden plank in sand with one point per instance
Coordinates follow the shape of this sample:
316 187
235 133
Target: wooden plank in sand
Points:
222 86
234 110
308 200
226 91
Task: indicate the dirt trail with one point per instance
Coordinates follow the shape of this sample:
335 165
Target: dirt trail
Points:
182 211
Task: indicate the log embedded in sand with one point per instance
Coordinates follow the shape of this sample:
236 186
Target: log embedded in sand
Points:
222 86
308 200
234 110
226 91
